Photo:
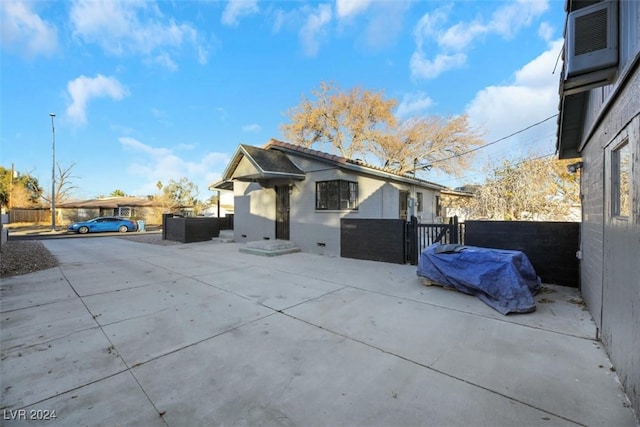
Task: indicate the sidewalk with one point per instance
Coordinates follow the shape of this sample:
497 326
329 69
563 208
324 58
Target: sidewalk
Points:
127 333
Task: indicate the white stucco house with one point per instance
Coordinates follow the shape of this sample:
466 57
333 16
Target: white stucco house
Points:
288 192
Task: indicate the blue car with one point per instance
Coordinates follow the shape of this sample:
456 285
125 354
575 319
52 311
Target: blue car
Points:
103 223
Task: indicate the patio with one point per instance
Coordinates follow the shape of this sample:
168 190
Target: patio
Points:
128 333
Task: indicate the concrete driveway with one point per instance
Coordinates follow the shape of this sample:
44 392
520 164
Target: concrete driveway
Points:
128 333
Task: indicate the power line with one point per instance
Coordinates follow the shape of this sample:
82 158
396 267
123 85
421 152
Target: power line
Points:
465 177
490 143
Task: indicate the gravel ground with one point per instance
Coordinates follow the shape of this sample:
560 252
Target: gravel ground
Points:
27 256
24 256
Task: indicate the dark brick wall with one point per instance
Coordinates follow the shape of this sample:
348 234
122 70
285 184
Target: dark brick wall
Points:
188 230
373 239
226 222
550 246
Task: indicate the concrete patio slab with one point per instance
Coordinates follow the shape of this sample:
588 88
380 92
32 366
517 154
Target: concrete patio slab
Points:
38 325
271 288
115 275
116 306
38 372
196 264
144 338
512 360
34 289
298 339
562 310
278 371
109 402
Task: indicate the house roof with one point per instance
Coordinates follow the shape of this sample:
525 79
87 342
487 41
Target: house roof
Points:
268 164
355 165
458 193
108 202
271 161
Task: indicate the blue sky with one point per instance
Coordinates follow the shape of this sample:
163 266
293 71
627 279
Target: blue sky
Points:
147 91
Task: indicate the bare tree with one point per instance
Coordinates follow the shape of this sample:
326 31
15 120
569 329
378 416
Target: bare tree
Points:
64 185
535 189
349 121
429 142
361 122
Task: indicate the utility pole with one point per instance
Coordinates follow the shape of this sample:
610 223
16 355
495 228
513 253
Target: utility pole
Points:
53 174
11 187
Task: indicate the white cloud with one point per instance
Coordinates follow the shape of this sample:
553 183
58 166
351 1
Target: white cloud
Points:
252 128
155 164
236 9
532 96
314 28
422 67
413 104
451 44
461 35
511 18
545 31
350 8
165 60
203 55
83 89
23 31
131 27
429 25
385 23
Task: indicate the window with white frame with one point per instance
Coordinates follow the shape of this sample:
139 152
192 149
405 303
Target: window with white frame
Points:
125 212
336 195
419 202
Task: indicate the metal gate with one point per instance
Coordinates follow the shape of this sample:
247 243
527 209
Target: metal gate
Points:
419 236
282 212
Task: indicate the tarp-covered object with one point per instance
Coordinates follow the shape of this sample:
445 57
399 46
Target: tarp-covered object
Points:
503 279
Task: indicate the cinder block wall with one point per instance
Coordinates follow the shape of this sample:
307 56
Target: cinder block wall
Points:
550 246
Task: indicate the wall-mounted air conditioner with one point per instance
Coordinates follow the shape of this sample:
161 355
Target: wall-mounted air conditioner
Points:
592 39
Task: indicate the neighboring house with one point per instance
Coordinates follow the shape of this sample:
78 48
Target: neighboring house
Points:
128 207
212 211
599 122
284 191
455 203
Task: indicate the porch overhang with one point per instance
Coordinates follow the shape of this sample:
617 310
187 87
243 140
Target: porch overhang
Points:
224 185
253 164
571 125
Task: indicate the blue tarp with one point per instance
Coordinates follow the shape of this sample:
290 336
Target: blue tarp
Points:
505 280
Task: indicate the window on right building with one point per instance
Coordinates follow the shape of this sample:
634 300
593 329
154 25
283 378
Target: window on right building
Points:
621 180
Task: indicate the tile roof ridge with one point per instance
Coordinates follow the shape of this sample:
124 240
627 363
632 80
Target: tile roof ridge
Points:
299 148
339 159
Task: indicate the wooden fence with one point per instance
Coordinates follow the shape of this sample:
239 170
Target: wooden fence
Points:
35 215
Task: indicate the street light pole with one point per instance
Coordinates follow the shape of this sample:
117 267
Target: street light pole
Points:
53 174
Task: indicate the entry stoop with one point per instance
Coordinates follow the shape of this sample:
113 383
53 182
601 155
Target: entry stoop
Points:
270 247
